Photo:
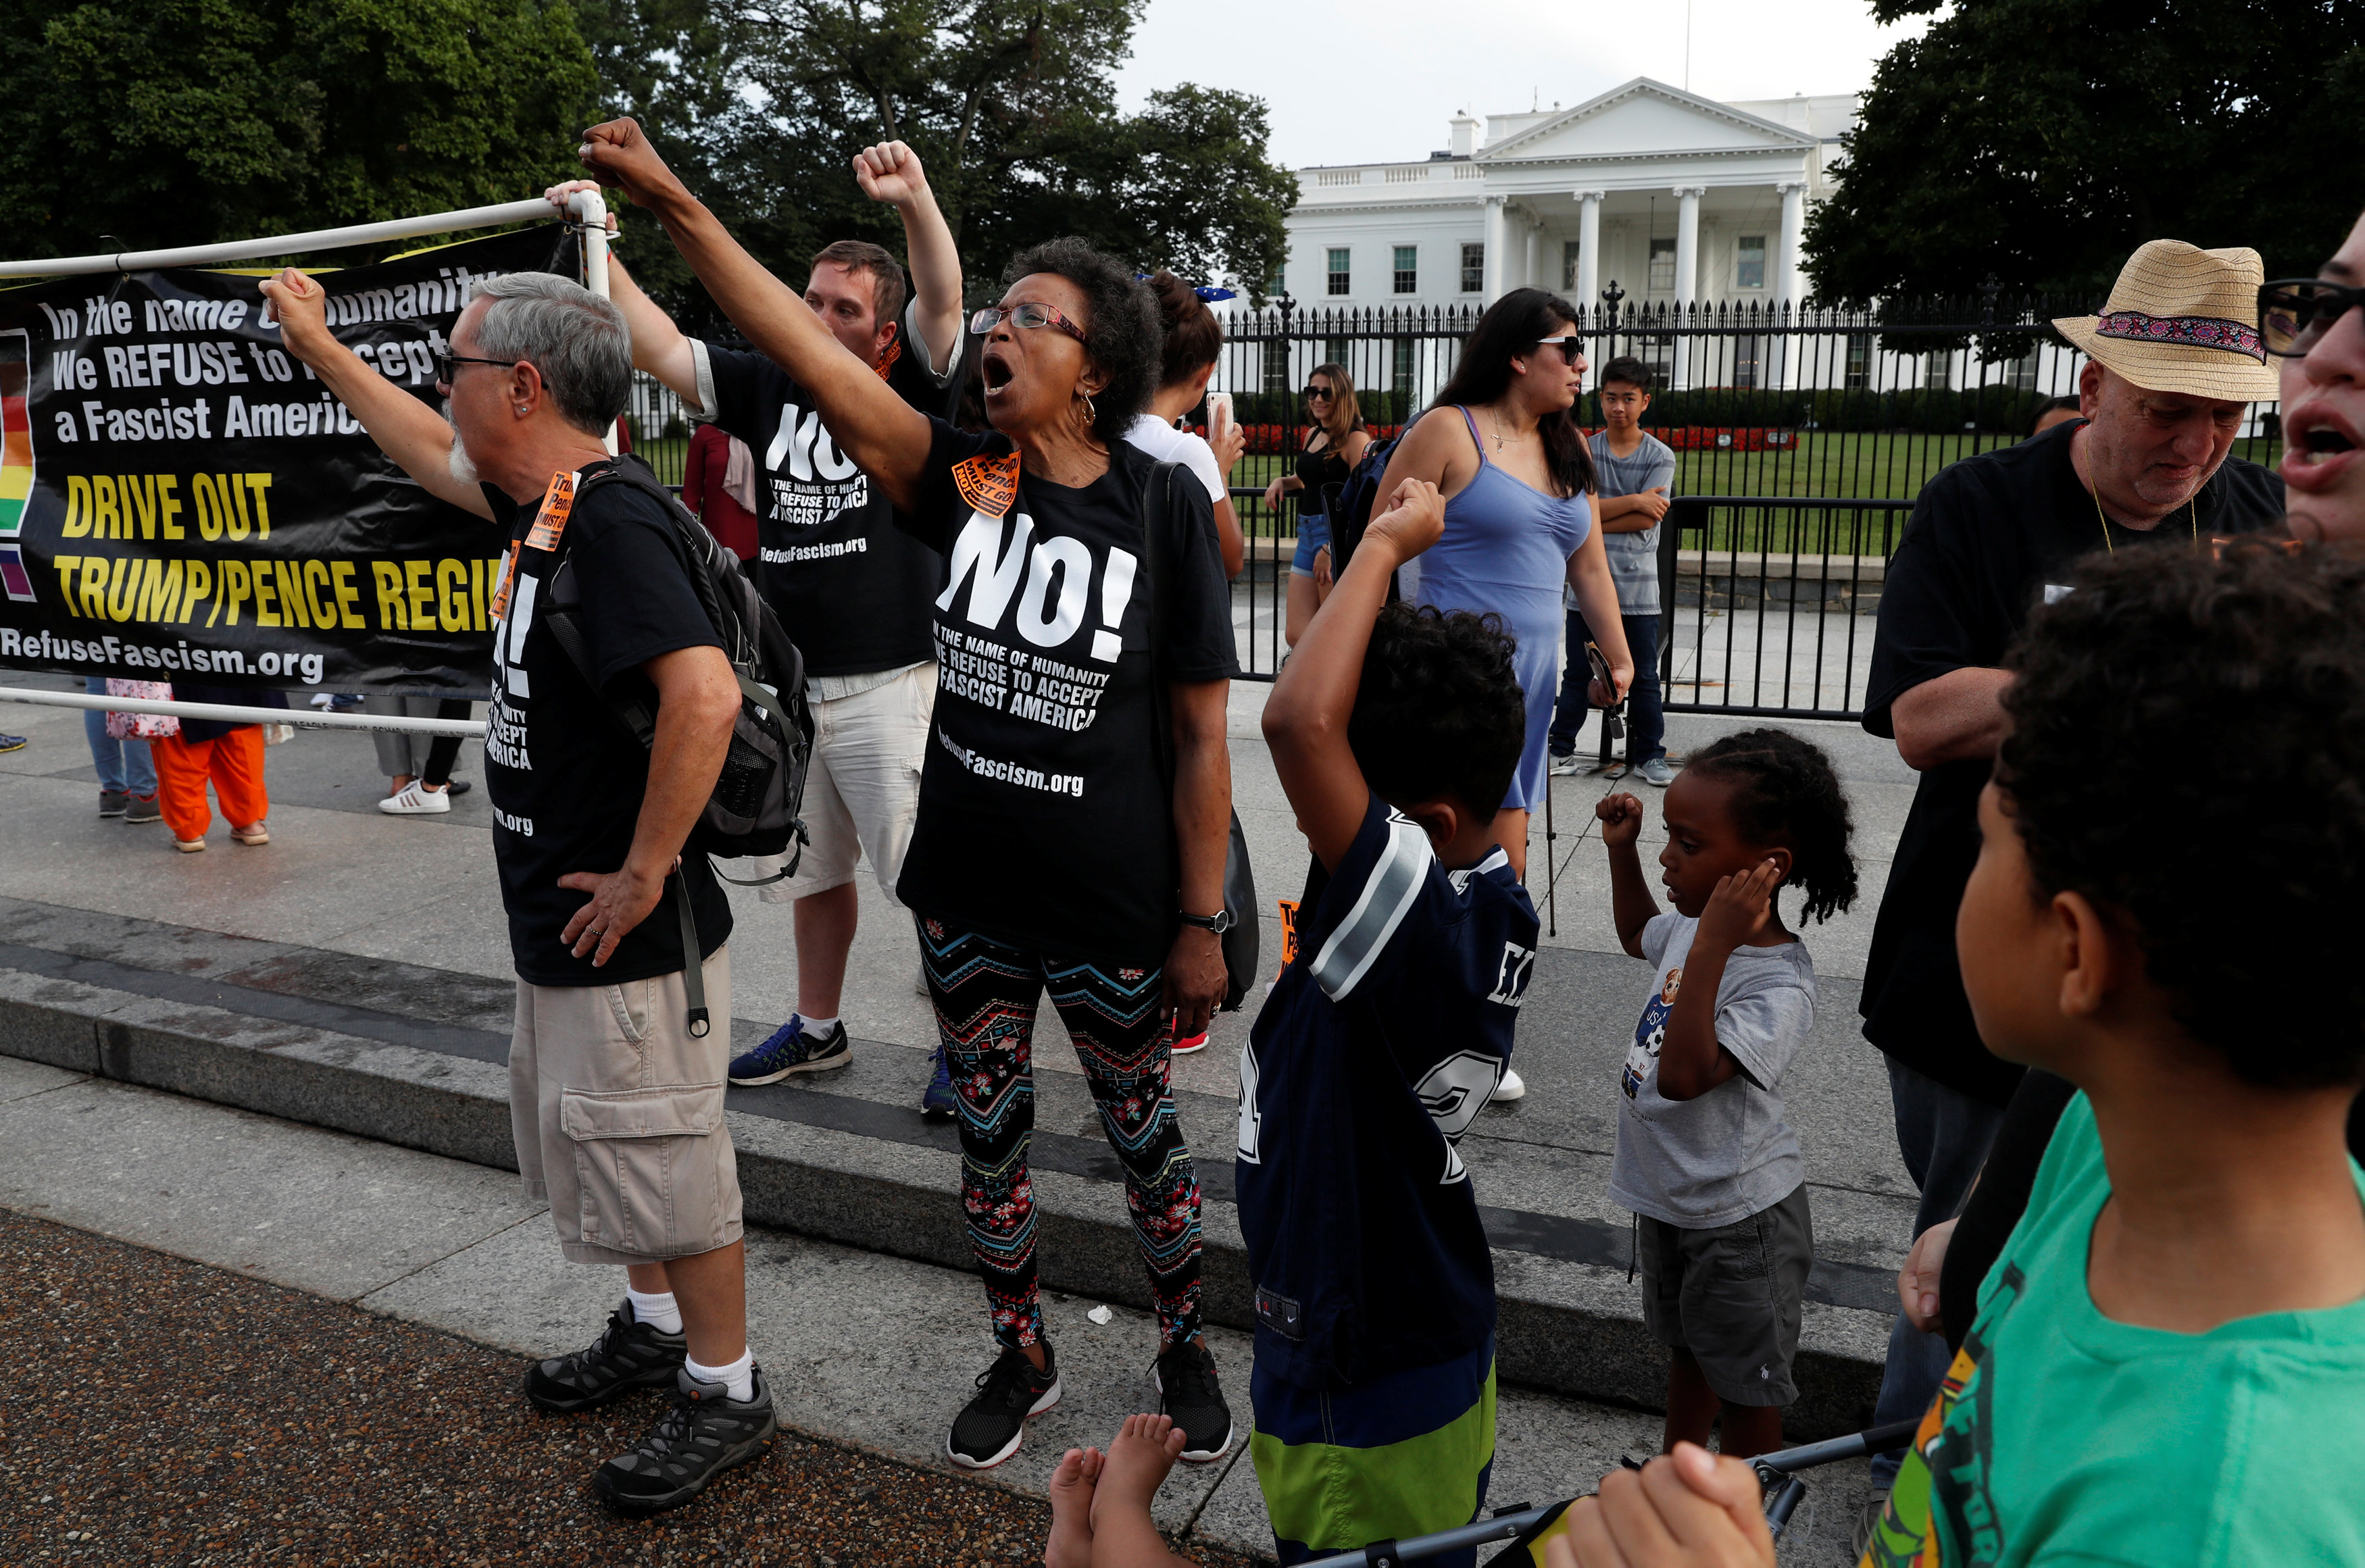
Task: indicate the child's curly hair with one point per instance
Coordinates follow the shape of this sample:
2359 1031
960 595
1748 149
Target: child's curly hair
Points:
1438 713
1787 793
2238 865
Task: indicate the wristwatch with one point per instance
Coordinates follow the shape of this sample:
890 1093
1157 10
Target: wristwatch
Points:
1218 923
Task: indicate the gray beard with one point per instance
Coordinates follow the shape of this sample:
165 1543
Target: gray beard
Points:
463 467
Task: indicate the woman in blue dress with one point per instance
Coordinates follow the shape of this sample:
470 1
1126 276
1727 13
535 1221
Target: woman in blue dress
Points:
1501 442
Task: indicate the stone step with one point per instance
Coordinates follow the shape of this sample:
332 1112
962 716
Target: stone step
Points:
416 1056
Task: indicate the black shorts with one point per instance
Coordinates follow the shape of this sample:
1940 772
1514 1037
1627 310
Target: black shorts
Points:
1733 1296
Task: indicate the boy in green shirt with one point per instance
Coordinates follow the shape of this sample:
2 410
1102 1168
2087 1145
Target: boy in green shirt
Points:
2168 1365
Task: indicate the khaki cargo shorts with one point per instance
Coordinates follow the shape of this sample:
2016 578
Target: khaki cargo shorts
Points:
618 1116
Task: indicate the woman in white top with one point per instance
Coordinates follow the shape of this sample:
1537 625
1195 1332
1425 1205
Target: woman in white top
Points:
1194 339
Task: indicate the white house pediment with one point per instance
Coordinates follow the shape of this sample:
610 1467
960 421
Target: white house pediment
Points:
1645 117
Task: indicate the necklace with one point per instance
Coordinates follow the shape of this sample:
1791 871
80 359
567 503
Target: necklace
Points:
2193 515
1496 417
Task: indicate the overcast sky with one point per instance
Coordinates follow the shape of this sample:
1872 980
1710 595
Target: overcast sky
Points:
1360 80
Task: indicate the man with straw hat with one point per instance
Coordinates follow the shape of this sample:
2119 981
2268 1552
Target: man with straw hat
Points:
2174 362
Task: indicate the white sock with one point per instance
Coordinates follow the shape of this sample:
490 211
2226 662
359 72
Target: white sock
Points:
739 1376
815 1027
659 1312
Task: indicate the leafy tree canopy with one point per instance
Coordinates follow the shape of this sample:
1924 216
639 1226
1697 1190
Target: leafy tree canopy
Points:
180 122
762 104
2043 141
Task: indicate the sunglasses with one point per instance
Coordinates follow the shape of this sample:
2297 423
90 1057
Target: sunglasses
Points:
1029 315
2295 313
446 359
1572 349
1317 390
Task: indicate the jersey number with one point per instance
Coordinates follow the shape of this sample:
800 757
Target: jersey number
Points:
1511 977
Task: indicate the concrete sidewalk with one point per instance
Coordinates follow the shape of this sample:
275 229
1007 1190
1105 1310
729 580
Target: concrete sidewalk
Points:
354 974
865 1350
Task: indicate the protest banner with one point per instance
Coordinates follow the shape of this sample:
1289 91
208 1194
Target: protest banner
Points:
180 495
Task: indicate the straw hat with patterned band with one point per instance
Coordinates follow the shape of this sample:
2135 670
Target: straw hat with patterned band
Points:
2183 320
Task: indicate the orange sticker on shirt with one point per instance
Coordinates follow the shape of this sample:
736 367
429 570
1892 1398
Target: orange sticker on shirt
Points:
551 521
988 483
1288 932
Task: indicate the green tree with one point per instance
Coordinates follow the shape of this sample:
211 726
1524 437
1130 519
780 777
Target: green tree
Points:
762 104
2043 141
178 122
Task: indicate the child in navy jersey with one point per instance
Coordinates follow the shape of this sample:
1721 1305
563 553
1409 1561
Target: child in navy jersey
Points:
1706 1158
1395 732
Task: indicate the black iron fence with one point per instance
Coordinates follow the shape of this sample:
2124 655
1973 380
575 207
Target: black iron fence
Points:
1801 437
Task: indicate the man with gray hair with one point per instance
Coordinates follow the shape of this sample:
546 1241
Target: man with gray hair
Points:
615 1104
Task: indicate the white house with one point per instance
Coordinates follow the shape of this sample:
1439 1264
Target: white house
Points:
1675 197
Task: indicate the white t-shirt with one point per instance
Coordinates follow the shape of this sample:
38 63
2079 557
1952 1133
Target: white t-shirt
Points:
1169 445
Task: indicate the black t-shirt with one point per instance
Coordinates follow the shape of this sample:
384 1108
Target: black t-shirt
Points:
1988 535
1046 816
851 589
564 776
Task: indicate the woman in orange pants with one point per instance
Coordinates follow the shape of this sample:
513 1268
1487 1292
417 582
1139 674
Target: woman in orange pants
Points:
230 755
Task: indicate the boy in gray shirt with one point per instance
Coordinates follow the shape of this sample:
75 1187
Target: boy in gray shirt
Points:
1636 471
1706 1158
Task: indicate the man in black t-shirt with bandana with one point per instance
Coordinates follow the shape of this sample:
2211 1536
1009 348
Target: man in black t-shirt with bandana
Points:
851 589
2175 363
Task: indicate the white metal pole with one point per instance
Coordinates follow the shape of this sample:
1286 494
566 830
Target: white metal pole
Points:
590 209
472 728
286 244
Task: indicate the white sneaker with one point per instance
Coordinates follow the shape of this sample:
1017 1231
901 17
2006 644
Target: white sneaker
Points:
415 799
1562 767
1513 1087
1656 773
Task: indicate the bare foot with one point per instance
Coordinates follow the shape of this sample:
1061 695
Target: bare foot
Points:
1140 1454
1070 1545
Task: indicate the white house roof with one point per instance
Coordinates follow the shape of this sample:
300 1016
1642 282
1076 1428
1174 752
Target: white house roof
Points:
1642 119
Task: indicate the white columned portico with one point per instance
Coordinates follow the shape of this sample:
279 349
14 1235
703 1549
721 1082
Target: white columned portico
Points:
1588 250
1497 243
1530 275
1789 279
1687 200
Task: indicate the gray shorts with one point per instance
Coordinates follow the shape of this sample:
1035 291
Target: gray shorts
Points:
1732 1297
617 1113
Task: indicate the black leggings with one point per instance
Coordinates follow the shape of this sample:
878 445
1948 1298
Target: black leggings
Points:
445 753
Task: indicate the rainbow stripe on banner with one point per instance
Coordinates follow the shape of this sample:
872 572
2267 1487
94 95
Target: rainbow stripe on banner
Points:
15 458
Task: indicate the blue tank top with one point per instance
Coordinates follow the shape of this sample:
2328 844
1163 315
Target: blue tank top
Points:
1506 548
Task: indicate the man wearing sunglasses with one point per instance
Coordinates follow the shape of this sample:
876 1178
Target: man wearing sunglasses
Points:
2316 326
852 591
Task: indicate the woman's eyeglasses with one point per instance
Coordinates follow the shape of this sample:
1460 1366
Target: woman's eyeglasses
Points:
1318 392
2295 313
1028 315
1572 349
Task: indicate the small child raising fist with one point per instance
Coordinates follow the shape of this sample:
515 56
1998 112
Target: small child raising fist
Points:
1705 1157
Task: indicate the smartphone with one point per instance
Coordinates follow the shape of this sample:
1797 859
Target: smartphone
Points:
1219 413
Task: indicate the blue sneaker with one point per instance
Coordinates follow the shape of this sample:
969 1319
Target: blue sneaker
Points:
791 1050
936 1101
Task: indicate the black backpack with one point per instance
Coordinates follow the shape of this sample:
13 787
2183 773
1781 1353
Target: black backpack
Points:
1349 504
753 810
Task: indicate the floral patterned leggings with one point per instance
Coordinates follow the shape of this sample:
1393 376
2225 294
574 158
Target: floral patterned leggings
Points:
986 995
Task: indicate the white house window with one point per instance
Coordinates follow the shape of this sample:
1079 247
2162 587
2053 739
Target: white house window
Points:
1474 268
1859 359
1662 265
1568 259
1340 351
1749 261
1276 365
1400 372
1338 284
1408 270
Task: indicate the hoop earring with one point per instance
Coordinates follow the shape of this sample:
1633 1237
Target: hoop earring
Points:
1091 415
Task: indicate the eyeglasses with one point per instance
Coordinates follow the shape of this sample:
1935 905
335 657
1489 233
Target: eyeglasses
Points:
2295 313
446 360
1317 390
1030 314
1572 349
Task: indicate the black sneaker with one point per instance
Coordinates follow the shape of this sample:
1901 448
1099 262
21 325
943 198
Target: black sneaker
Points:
112 802
990 1427
705 1433
1187 1391
628 1354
